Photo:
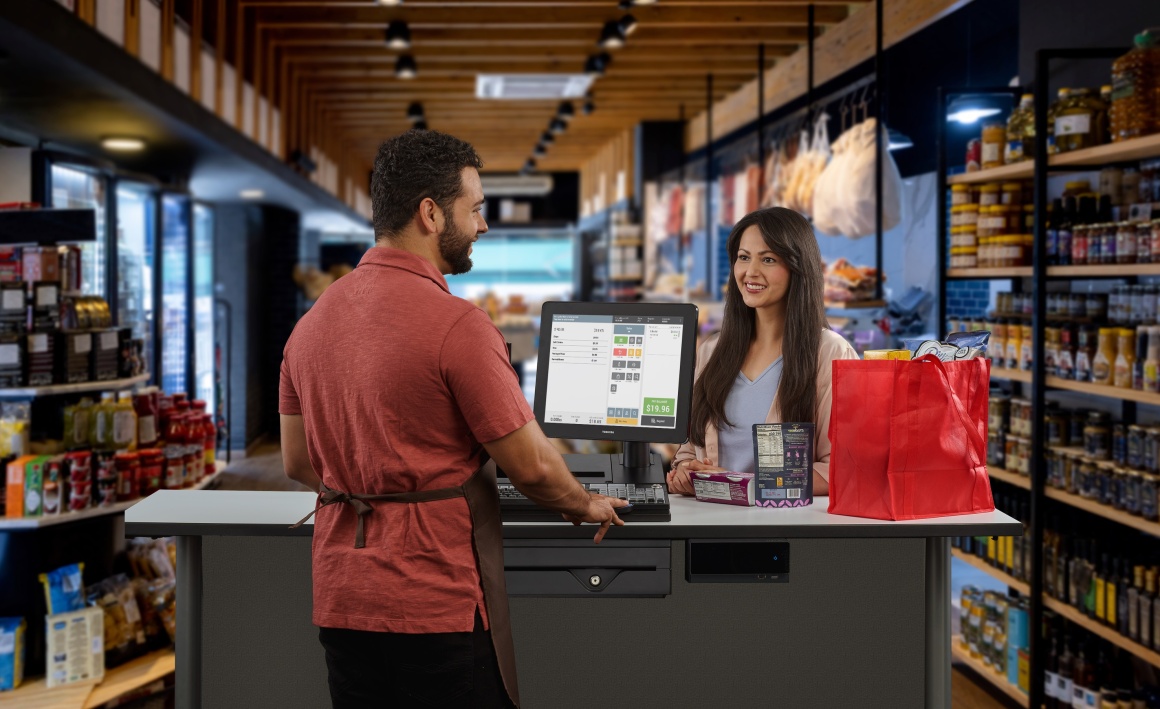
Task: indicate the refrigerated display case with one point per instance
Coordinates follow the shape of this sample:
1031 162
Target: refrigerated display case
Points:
136 262
175 287
77 186
204 354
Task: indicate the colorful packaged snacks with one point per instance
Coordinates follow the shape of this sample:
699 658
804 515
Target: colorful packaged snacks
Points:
11 653
124 631
64 589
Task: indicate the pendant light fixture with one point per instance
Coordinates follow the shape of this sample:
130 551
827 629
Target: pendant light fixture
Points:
405 67
644 2
398 35
390 3
612 36
415 112
627 25
625 5
566 112
547 138
529 166
594 66
557 126
589 106
539 151
421 124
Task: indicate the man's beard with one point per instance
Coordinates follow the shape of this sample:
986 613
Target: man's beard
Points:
455 248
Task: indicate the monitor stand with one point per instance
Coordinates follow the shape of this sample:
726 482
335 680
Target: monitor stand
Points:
636 465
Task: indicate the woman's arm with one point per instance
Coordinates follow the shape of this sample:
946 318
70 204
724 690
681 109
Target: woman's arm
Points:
835 348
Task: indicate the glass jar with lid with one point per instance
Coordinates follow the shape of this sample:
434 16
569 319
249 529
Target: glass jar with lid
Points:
1148 496
994 143
1011 194
960 195
1097 436
964 215
1075 188
1080 121
989 194
1132 491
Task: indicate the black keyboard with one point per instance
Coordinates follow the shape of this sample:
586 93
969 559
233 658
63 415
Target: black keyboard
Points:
650 503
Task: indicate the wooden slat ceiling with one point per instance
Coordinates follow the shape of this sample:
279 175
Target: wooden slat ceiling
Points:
330 58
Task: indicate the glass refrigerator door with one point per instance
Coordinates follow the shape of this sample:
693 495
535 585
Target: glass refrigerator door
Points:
76 187
175 313
203 326
136 247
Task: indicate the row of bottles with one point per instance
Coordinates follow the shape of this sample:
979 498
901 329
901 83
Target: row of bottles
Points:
1083 671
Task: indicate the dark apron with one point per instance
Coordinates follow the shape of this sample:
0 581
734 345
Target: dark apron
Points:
487 538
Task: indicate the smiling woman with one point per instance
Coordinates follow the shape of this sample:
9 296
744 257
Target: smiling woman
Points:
771 362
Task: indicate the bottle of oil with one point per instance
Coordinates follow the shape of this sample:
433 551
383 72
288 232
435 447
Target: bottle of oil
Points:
1020 131
1135 109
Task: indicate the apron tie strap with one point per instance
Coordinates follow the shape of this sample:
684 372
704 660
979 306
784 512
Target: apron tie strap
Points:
326 496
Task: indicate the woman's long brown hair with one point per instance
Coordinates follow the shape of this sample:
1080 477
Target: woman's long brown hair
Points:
791 237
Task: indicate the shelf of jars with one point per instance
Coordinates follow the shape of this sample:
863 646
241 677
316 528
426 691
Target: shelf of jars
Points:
1123 151
1009 477
999 575
963 656
1012 375
1104 390
27 523
988 273
1098 508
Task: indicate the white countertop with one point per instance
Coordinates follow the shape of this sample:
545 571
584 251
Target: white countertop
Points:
227 513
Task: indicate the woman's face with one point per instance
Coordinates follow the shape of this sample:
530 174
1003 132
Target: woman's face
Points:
761 277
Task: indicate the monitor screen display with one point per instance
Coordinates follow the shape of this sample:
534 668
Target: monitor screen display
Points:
617 371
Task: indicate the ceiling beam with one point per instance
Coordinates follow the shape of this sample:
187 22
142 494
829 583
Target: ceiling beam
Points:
539 14
470 55
542 37
692 67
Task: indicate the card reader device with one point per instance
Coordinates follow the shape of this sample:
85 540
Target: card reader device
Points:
618 372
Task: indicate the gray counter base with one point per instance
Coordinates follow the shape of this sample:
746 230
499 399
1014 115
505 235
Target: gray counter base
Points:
847 630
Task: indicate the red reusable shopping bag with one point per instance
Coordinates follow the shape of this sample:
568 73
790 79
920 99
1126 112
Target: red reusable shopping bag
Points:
909 438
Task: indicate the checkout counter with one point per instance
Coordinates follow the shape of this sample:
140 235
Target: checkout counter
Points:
661 614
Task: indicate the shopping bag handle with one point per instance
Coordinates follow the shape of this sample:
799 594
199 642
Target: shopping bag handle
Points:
958 406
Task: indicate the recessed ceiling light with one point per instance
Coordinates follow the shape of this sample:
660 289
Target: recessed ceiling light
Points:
398 35
405 67
612 36
251 194
123 144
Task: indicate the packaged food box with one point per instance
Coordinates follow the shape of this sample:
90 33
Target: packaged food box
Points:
724 488
886 354
783 456
11 653
34 486
15 487
76 647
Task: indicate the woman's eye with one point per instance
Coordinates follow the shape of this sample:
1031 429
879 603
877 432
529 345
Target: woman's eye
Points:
770 261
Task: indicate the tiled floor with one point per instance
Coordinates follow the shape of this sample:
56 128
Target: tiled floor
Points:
263 471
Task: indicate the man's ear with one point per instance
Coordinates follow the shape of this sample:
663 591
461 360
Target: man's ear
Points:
430 214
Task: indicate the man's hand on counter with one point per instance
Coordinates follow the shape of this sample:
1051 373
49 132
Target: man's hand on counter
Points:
602 511
678 478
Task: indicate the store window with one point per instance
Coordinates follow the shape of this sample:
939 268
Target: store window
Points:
204 356
78 188
532 263
136 230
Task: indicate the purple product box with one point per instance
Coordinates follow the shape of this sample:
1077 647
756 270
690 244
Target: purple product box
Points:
723 487
783 456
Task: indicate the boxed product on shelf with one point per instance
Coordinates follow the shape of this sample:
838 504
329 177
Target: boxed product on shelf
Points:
39 359
12 632
13 311
72 356
75 647
41 263
11 360
104 357
11 267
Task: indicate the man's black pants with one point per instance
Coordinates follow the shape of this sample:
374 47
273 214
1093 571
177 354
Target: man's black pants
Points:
400 671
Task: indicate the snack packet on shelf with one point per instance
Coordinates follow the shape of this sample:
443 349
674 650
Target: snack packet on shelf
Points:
64 589
124 631
957 347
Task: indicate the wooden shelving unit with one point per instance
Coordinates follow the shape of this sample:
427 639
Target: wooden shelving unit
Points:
1125 151
1014 375
1104 271
56 389
1108 392
985 273
856 305
118 681
1000 576
1019 171
1074 616
1009 477
962 656
27 523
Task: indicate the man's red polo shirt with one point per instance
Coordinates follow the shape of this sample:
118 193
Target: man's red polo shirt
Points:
398 383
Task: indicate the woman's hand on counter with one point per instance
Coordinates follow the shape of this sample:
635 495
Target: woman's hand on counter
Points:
602 511
678 478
